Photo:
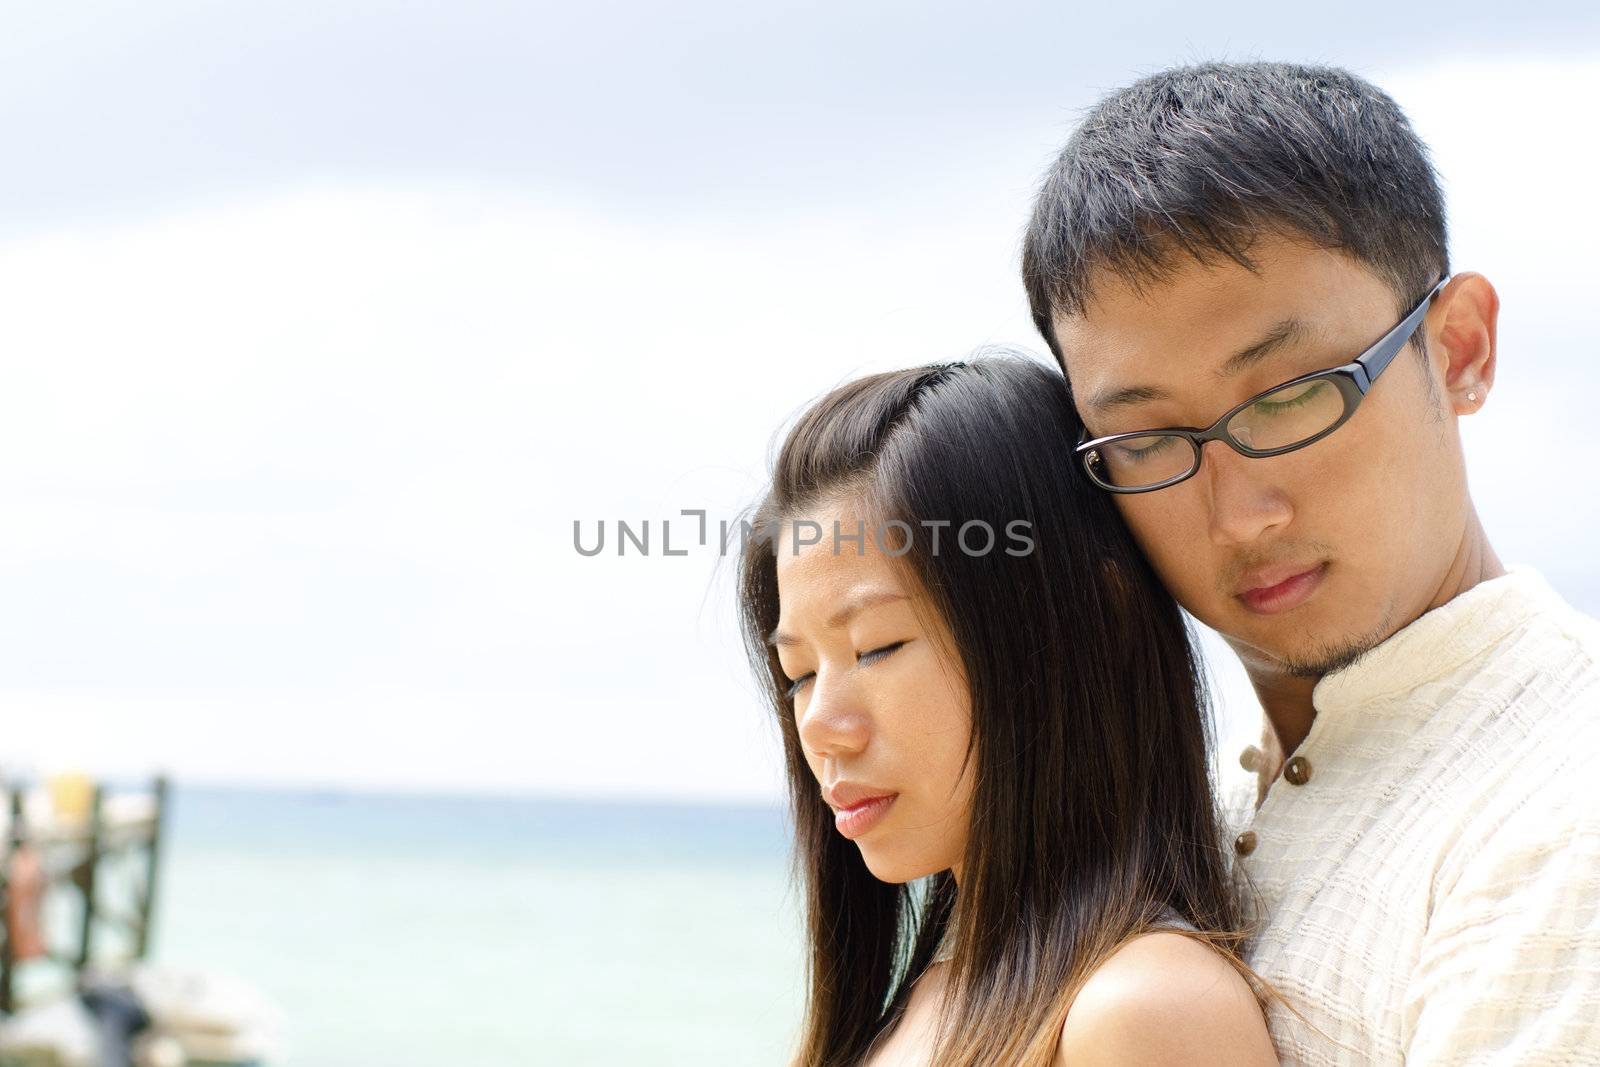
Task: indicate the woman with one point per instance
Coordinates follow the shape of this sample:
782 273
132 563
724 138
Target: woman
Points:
997 760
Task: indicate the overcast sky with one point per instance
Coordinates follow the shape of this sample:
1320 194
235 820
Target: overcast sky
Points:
320 325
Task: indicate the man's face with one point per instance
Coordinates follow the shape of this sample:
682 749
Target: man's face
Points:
1304 560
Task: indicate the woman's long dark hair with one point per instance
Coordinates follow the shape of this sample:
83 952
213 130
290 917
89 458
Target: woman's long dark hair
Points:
1092 806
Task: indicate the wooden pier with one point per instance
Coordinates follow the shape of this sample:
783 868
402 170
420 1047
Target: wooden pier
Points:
58 840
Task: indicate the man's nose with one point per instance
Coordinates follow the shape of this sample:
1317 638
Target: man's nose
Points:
1243 502
832 721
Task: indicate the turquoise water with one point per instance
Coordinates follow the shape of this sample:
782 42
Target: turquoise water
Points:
477 931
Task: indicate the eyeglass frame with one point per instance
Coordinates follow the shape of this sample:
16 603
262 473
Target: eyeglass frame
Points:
1353 380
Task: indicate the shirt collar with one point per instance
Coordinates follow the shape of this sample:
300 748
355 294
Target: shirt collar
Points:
1437 642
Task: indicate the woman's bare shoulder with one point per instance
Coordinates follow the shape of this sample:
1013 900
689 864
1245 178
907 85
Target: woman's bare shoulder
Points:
1164 998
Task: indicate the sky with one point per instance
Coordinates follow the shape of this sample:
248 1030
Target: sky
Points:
321 324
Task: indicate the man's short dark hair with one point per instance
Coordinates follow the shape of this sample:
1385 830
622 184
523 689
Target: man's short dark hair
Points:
1202 160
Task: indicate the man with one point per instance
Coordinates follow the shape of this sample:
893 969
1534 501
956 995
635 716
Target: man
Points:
1423 838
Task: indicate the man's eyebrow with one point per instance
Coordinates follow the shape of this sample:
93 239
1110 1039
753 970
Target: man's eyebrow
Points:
1106 399
851 608
1283 334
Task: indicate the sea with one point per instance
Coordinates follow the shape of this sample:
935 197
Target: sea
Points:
440 931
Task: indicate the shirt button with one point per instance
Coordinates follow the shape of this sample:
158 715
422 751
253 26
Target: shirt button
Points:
1245 843
1297 771
1250 758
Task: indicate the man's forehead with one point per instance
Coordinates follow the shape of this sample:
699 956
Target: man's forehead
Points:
1138 352
1128 371
1199 302
1129 348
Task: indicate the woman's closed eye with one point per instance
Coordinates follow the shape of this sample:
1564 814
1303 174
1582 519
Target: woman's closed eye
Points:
878 653
863 658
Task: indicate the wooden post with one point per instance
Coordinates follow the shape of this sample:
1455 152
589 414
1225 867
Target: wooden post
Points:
147 907
86 872
8 945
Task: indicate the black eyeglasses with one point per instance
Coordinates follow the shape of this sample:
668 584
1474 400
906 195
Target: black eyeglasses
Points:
1282 419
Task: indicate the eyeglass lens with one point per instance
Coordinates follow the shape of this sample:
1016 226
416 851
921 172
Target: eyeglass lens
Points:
1280 419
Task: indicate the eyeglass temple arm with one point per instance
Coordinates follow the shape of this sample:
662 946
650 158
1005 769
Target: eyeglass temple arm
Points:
1380 355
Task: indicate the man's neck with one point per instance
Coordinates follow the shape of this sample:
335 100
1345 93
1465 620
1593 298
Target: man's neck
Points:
1287 711
1475 562
1286 718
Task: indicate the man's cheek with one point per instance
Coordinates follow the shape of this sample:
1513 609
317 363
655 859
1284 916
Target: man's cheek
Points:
1166 538
1180 562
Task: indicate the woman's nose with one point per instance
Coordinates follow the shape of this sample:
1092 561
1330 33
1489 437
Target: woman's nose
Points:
831 718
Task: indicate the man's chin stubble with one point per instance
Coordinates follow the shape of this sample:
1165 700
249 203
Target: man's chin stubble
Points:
1328 658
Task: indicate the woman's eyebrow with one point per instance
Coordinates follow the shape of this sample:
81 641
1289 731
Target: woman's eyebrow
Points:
852 607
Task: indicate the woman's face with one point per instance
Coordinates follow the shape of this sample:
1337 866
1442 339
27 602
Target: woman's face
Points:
880 712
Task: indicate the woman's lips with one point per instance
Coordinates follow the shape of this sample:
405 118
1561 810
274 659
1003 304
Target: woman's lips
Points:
853 822
1287 594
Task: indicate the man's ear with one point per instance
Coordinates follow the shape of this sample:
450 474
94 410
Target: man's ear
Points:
1461 329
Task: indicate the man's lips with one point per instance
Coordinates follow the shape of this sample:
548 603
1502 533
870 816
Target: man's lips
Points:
1279 588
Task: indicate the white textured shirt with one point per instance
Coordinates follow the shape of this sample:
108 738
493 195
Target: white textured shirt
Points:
1428 858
